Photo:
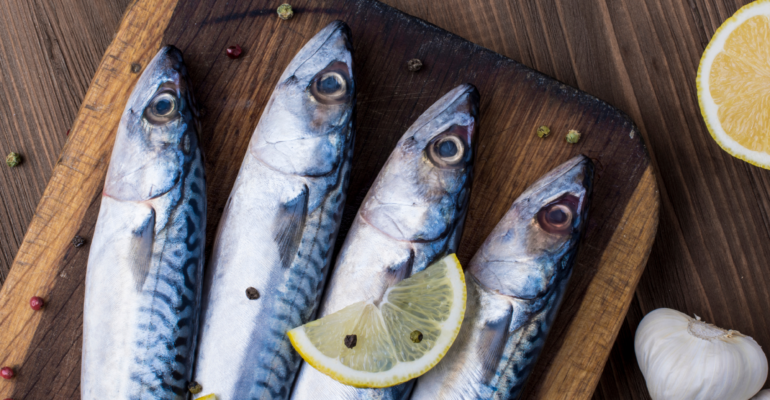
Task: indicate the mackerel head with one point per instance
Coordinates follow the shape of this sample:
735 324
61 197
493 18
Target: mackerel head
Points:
144 272
276 237
412 216
516 282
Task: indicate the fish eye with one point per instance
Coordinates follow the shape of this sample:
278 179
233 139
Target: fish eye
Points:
162 108
448 149
557 217
331 86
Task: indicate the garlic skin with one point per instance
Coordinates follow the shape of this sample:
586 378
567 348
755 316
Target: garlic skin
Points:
763 395
684 358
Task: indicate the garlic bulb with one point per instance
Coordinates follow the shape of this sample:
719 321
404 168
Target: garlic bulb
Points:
684 358
763 395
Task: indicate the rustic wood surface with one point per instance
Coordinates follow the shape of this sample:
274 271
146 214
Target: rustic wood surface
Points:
641 56
615 247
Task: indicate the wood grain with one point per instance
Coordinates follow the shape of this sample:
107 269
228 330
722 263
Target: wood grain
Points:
233 92
43 78
640 56
46 344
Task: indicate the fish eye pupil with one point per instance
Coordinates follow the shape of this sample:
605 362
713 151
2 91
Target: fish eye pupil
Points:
329 84
557 216
163 106
447 148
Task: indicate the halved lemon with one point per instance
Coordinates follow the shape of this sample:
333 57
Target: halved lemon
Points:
734 84
383 343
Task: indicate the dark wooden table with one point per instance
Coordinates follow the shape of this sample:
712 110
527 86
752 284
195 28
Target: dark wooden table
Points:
712 252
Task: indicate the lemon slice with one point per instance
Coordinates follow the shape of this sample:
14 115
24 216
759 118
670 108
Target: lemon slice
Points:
734 84
380 344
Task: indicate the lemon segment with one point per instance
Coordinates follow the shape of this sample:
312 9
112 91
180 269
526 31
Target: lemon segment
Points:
733 84
396 339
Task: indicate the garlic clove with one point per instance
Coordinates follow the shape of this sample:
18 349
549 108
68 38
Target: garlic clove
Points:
684 358
763 395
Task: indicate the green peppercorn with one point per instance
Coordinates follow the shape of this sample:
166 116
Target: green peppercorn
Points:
416 336
573 136
13 159
543 132
285 11
194 387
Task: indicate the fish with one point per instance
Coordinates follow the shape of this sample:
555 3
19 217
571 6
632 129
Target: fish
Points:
412 216
515 284
145 266
275 240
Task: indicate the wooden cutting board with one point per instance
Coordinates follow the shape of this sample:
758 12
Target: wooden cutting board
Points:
44 347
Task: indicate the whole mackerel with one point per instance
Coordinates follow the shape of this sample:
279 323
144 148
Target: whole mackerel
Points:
143 281
515 283
412 216
276 236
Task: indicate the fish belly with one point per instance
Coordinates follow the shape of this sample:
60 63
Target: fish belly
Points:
495 351
142 296
244 351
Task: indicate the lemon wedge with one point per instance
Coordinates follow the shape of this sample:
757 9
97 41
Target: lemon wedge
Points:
383 343
734 84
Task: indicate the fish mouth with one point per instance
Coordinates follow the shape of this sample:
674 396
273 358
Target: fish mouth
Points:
463 99
577 170
319 41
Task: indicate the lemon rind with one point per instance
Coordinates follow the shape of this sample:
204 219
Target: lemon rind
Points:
362 379
709 109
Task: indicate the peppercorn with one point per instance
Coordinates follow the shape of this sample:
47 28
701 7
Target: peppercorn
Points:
573 136
252 293
234 51
414 65
136 67
7 372
350 341
416 336
78 241
285 12
13 159
36 303
194 387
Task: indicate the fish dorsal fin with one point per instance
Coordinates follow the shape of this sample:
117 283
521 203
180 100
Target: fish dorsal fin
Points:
289 226
141 249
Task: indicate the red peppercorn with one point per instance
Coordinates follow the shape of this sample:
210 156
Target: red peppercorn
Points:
36 303
234 51
7 372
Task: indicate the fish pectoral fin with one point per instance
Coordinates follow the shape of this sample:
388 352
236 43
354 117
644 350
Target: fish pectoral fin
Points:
401 269
492 345
141 249
289 226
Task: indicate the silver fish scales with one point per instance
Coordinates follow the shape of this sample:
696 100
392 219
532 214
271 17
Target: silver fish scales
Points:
277 232
145 265
515 283
412 216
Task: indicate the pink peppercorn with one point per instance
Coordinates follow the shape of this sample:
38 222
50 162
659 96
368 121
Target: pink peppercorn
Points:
36 303
234 51
7 372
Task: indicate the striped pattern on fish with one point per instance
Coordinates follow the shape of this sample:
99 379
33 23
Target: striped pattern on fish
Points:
278 229
412 216
170 304
515 283
143 283
296 302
